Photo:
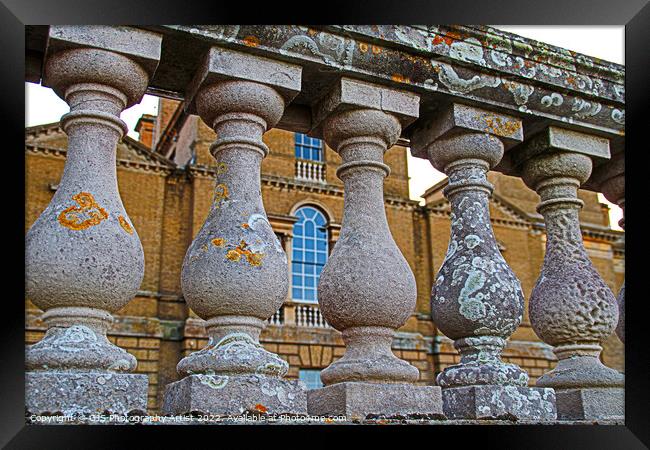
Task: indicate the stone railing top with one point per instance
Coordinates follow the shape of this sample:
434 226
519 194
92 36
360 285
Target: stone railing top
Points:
540 84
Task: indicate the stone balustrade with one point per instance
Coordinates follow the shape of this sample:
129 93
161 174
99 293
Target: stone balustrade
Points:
84 260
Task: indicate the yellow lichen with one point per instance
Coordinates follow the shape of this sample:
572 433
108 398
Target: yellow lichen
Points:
233 255
220 193
124 224
73 218
254 259
218 242
501 127
363 47
222 168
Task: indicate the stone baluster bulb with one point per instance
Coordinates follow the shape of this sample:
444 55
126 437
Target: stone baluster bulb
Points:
571 307
235 272
476 299
367 289
351 296
83 258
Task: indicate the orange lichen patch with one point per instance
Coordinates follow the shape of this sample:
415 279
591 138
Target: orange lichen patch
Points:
220 193
251 41
245 226
376 50
233 255
400 78
73 217
312 32
222 168
501 127
254 259
261 408
328 420
124 224
363 47
438 39
218 242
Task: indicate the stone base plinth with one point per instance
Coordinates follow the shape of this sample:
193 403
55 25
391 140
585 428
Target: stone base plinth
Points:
499 402
85 393
232 395
590 404
358 400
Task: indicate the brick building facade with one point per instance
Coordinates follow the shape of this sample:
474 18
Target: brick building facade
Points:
166 183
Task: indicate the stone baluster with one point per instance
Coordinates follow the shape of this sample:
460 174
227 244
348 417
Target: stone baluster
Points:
611 180
367 289
83 257
235 271
571 307
477 300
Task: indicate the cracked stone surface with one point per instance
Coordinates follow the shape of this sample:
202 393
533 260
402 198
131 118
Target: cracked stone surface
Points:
235 273
83 257
571 307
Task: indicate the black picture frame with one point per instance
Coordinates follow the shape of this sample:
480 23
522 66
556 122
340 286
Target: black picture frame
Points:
15 14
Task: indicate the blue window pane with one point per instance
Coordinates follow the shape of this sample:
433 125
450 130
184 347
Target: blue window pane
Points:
320 258
311 378
310 256
310 244
309 282
296 280
297 242
309 294
308 148
298 255
321 245
296 293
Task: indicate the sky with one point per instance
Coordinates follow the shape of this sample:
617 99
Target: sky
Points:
604 42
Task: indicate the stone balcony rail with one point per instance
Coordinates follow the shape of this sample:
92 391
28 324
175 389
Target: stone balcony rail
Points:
468 98
311 171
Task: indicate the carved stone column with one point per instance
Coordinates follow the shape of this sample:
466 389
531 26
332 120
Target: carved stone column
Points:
571 307
235 271
611 180
476 299
83 257
367 289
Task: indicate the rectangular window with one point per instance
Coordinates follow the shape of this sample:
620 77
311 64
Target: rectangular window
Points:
308 147
311 378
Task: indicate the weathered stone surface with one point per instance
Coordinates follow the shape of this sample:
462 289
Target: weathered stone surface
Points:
358 400
570 307
351 298
235 273
235 394
610 179
499 402
83 257
590 404
85 393
476 300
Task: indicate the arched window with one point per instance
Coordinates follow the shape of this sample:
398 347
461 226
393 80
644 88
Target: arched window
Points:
308 147
309 253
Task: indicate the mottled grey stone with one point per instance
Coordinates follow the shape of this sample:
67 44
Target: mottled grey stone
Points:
85 393
235 394
235 274
83 257
610 180
476 300
349 94
570 307
221 64
459 118
560 139
358 400
367 289
590 404
499 402
141 46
